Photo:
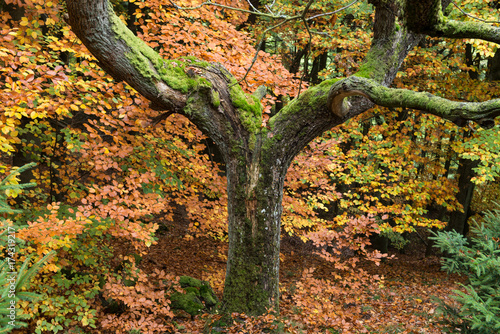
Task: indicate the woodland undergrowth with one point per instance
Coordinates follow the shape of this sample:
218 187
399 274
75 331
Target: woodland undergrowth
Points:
313 298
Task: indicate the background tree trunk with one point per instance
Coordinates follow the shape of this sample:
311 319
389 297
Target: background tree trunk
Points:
458 219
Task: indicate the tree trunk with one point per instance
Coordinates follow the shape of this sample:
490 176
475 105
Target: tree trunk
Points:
494 67
255 191
469 61
458 219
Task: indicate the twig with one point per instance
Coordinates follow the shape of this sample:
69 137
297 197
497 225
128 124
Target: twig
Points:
472 16
255 9
334 12
306 60
285 18
176 6
259 46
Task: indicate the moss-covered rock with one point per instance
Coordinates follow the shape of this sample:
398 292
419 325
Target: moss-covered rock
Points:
198 296
188 302
188 281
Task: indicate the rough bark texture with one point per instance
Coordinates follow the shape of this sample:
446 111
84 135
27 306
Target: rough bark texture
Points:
257 158
255 185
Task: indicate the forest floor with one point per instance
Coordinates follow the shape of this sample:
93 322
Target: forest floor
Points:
312 300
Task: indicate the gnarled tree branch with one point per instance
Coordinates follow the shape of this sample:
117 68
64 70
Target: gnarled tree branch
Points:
458 112
426 17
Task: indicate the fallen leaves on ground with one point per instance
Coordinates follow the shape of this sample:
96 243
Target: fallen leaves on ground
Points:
312 299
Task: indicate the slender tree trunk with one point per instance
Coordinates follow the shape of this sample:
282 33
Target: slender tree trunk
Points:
131 8
458 219
494 67
469 60
440 212
15 12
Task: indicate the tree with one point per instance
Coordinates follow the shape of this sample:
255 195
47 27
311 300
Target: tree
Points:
257 157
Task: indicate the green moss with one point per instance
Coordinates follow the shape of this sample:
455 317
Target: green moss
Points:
173 74
244 101
248 106
250 122
371 67
191 106
196 292
188 281
208 295
215 98
191 60
140 53
271 122
187 302
307 102
375 64
251 141
319 93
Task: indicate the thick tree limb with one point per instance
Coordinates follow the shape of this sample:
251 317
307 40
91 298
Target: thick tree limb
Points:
456 29
426 17
258 157
483 113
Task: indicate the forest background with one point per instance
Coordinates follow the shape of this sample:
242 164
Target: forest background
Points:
115 180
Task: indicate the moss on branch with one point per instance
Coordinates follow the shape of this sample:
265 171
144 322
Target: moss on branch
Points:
471 29
458 112
426 16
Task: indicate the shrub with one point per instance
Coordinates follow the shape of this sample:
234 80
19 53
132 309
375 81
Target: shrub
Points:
479 260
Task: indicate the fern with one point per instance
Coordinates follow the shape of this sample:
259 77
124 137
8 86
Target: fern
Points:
9 296
6 184
479 260
10 292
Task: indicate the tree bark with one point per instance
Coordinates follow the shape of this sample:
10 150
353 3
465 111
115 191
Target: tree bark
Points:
256 157
255 188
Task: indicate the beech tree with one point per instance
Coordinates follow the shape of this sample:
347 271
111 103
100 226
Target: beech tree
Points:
257 157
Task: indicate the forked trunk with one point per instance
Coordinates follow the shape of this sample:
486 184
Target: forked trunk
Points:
257 157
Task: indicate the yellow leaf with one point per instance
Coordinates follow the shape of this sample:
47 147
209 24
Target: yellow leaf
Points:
12 192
